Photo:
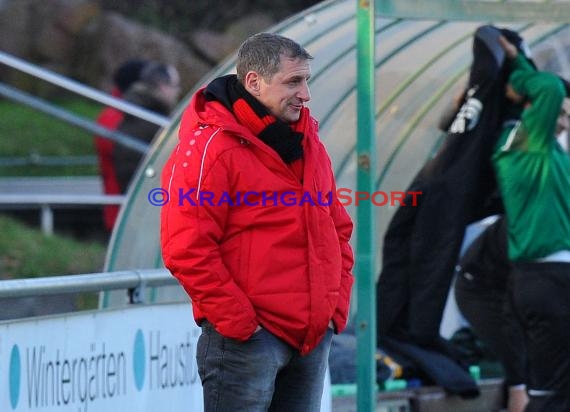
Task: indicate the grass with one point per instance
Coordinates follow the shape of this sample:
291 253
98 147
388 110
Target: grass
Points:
24 251
27 253
25 132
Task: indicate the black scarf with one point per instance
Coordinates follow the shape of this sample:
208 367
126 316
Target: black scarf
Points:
274 132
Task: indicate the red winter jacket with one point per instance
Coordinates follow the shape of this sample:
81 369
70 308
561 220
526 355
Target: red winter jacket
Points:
231 235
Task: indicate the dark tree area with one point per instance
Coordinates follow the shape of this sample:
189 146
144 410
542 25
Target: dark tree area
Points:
181 17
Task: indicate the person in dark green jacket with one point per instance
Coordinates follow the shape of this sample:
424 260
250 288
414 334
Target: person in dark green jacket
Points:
533 174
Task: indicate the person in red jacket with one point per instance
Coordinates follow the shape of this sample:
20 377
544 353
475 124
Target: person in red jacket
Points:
254 233
110 118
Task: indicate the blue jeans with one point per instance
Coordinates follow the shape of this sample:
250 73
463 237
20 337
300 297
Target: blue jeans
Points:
262 374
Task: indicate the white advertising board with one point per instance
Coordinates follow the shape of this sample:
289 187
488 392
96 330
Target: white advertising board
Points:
137 359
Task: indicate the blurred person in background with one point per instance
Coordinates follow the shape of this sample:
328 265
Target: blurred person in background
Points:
533 173
156 90
481 294
110 118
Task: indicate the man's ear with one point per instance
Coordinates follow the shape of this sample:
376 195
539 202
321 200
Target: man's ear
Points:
252 83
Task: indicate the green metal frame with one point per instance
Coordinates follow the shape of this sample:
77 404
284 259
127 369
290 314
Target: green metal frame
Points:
367 12
475 10
366 239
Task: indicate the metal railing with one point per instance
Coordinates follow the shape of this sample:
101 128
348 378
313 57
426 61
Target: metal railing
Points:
83 90
35 159
136 280
73 119
46 202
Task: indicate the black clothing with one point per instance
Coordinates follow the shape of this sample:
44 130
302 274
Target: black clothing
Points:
486 257
422 243
437 367
481 295
546 322
127 160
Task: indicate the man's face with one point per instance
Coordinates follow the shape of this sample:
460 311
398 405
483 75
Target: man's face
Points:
287 91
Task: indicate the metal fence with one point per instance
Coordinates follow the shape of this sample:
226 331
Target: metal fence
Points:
59 198
49 193
46 107
135 280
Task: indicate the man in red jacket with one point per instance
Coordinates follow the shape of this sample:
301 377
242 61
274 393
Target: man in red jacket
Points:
254 233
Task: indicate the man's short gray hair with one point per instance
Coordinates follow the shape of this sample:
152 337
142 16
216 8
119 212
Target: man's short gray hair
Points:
262 53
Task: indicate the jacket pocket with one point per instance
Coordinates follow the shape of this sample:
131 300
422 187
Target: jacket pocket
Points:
244 258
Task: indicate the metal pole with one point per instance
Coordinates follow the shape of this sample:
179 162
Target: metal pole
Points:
78 88
45 107
90 282
46 220
476 10
52 199
365 224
